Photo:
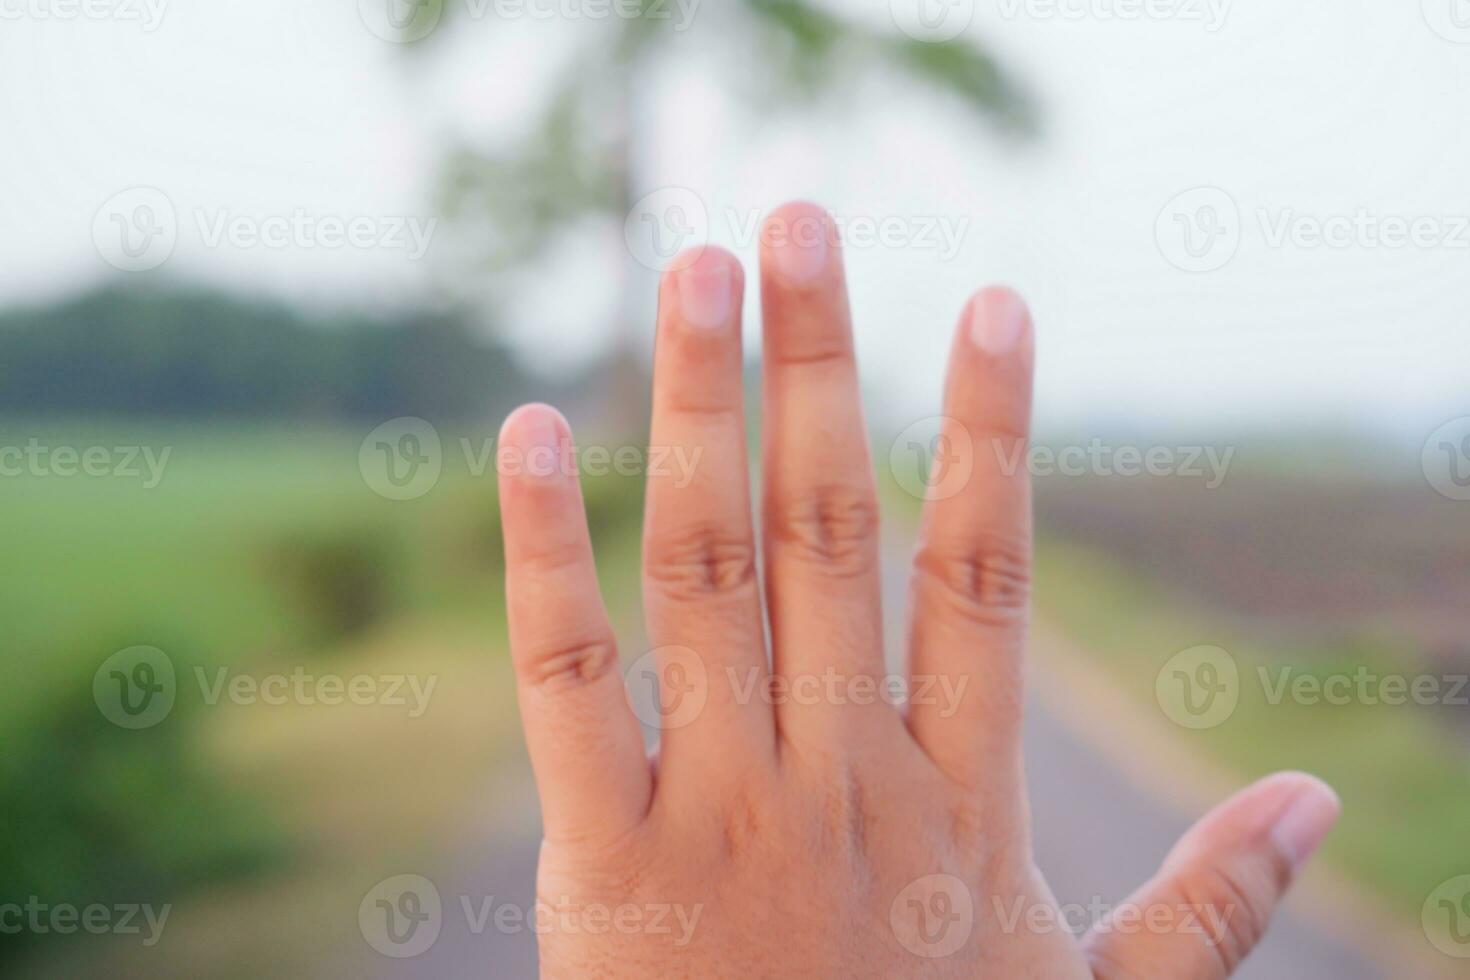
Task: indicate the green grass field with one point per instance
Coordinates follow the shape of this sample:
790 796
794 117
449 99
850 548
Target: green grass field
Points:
260 550
1401 770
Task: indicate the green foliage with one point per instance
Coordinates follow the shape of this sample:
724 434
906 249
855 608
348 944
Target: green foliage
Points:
340 577
579 159
824 50
161 353
94 814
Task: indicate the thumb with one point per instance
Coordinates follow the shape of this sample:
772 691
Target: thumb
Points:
1209 905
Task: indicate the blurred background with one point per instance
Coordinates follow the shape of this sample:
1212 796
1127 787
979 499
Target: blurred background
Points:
274 272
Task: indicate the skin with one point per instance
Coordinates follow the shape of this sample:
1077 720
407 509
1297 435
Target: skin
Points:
833 835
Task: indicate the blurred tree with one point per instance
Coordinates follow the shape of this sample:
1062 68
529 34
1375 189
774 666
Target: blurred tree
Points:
168 352
579 162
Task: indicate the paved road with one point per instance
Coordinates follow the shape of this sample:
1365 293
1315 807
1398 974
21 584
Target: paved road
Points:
1097 837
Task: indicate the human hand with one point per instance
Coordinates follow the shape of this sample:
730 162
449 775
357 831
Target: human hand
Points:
785 835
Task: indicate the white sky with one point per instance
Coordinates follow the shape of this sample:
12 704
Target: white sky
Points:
1315 108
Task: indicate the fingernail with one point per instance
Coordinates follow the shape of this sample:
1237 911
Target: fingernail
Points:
1305 823
541 442
706 296
801 247
997 319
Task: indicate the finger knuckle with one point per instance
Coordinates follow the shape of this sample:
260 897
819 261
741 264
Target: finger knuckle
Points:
1236 908
745 826
577 663
987 582
835 527
701 561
